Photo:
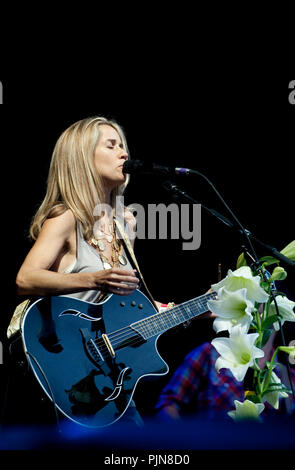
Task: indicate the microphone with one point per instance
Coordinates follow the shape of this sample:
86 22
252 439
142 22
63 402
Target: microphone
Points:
147 168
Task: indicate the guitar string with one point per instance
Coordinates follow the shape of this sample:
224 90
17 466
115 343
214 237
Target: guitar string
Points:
158 317
124 333
133 340
161 317
127 333
151 325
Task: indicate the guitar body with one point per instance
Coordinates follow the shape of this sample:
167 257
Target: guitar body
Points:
87 357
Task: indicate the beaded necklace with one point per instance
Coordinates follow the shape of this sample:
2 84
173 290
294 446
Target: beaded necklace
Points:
98 242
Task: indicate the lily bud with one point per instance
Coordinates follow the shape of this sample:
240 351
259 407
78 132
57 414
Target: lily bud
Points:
278 274
288 349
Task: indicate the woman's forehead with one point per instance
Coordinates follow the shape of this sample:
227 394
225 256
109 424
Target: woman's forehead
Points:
108 132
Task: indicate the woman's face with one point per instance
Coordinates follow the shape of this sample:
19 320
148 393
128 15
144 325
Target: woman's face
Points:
109 156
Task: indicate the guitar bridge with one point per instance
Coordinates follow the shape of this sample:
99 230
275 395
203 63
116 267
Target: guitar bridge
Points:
108 345
91 347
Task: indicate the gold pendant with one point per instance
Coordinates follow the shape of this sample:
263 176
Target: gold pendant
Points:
100 244
94 241
122 260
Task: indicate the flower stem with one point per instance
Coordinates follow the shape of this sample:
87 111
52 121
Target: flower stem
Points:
257 386
270 367
258 329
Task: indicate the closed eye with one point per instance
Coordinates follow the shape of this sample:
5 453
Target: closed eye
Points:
113 142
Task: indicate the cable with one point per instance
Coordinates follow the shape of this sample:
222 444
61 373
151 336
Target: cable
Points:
50 390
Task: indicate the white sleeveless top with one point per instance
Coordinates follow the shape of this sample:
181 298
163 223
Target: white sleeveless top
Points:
88 260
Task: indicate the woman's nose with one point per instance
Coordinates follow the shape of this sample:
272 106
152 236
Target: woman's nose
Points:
123 154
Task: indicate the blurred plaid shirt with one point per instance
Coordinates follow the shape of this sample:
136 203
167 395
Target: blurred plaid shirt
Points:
196 387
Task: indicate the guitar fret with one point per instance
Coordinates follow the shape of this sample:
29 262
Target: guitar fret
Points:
160 322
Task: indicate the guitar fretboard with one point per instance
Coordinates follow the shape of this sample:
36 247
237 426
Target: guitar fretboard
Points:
161 322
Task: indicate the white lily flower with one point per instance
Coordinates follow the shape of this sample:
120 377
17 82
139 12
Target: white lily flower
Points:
285 307
246 410
274 396
231 308
237 352
243 278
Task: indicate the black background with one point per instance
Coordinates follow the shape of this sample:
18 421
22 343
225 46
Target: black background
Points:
224 112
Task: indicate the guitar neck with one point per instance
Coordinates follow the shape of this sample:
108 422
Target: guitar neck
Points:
161 322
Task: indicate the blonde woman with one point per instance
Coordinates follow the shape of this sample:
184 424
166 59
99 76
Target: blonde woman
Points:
66 258
78 250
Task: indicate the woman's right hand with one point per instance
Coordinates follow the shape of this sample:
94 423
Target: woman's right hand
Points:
116 281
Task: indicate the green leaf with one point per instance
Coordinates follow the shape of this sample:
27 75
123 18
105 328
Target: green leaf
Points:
273 366
265 337
263 374
268 260
265 285
274 388
253 398
269 321
241 261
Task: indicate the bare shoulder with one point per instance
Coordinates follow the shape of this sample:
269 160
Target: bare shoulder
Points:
62 225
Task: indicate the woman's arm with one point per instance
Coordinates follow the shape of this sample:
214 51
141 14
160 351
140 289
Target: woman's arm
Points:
54 249
55 242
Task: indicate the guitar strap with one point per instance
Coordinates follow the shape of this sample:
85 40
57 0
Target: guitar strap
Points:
129 248
17 318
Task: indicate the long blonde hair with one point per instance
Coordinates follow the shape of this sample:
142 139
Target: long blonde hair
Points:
73 182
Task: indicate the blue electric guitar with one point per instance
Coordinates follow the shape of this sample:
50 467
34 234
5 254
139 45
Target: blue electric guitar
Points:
89 357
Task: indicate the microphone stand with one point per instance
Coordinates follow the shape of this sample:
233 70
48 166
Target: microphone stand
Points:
177 192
